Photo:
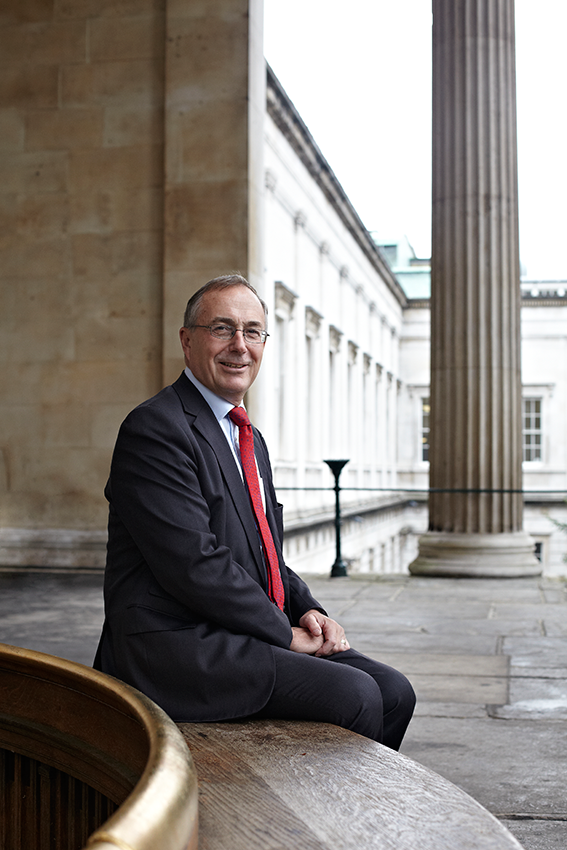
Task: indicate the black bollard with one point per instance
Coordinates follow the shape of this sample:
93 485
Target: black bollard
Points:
339 569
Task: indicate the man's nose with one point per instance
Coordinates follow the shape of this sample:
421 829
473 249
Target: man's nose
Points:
238 342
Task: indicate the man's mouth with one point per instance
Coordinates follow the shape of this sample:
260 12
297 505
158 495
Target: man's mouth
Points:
235 366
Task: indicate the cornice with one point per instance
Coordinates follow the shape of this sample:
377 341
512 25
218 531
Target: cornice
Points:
290 124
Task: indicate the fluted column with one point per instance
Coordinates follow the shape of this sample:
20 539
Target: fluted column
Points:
475 528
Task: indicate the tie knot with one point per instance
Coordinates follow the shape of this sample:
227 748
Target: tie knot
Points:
239 416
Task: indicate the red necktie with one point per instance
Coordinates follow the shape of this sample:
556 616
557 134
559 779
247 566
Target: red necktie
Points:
246 440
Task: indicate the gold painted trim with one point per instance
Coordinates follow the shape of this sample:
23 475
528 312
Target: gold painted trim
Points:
161 809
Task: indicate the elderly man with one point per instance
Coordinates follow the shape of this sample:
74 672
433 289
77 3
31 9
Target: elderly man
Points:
202 614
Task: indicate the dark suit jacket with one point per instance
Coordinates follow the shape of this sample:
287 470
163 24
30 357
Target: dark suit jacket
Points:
188 621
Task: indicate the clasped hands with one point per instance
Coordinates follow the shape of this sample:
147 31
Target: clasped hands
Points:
318 635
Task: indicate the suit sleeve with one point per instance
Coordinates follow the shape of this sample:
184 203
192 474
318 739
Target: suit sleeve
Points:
158 504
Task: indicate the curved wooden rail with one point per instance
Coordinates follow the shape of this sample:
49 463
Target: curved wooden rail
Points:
77 746
313 786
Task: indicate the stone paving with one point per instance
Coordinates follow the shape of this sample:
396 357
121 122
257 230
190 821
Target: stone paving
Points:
488 660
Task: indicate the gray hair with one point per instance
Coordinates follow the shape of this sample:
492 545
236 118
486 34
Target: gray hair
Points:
223 282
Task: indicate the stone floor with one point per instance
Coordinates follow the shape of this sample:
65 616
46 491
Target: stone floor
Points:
488 659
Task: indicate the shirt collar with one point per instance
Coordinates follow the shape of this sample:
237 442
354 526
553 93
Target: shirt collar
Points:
219 406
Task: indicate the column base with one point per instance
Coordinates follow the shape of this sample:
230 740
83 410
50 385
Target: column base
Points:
476 555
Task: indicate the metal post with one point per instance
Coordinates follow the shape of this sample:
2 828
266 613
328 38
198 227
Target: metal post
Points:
339 569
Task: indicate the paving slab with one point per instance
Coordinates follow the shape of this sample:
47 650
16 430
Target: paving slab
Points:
434 708
418 641
513 767
424 663
521 672
546 652
460 688
57 613
538 834
535 699
554 592
551 618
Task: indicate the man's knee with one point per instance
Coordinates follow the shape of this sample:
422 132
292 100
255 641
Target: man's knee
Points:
398 711
405 697
360 702
396 694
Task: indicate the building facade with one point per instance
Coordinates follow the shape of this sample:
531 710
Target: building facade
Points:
348 372
331 370
144 150
544 412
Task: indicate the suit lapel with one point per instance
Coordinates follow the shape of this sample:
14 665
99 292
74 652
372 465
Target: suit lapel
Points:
205 422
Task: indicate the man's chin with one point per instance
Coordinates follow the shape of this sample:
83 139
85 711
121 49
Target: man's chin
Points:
234 389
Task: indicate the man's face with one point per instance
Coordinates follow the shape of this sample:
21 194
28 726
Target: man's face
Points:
227 367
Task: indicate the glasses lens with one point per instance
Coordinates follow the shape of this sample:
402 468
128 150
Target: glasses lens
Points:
251 335
222 331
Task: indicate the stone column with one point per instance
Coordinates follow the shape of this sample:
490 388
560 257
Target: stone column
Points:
475 528
214 109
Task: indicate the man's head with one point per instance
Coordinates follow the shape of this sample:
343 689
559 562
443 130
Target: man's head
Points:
228 367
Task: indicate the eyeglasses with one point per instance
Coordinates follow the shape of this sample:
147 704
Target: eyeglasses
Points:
253 336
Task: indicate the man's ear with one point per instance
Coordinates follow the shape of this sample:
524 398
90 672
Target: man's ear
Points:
185 337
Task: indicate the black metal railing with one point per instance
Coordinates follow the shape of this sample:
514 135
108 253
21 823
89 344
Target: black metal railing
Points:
339 568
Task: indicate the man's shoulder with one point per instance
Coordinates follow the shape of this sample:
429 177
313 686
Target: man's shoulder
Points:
168 405
181 394
177 406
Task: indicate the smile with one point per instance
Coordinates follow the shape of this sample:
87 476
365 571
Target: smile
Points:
235 365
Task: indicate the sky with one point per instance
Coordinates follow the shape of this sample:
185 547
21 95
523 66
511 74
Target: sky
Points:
362 83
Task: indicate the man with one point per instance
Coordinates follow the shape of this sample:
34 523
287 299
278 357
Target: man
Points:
202 614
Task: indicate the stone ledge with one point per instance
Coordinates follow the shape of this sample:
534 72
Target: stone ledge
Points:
54 548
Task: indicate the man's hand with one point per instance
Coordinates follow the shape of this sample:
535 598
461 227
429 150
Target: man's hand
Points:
330 634
304 641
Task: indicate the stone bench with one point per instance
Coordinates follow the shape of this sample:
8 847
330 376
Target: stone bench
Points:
272 785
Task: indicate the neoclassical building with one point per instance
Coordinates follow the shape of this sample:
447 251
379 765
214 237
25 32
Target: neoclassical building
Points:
544 405
349 370
332 369
145 148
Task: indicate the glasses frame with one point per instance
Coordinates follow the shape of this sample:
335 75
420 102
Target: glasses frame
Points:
263 334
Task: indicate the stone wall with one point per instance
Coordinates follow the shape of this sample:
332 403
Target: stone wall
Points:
81 136
127 133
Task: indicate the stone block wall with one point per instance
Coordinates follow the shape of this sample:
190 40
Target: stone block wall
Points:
130 173
81 250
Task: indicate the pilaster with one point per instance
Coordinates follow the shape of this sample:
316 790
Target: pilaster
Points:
213 182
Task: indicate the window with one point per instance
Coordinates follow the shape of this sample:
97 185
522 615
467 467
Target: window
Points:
284 340
425 412
531 429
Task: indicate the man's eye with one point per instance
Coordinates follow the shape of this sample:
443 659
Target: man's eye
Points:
253 335
222 329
